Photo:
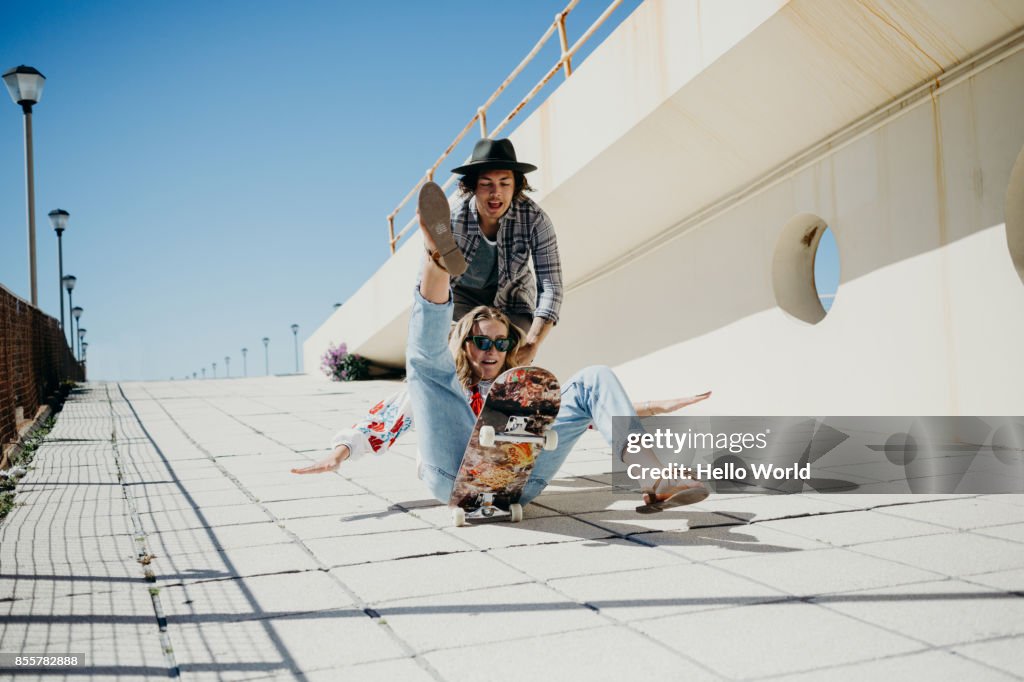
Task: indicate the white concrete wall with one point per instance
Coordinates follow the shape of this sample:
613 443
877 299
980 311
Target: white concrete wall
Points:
929 315
676 153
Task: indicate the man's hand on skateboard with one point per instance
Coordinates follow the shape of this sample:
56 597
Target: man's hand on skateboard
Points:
526 353
328 464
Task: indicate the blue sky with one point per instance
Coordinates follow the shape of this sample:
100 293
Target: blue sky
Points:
228 166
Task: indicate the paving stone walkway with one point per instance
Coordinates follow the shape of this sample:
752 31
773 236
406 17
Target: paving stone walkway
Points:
160 534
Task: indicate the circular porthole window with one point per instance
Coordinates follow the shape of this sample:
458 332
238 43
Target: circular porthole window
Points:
805 270
1015 215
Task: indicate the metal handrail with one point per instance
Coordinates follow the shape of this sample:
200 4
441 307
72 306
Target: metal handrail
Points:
564 63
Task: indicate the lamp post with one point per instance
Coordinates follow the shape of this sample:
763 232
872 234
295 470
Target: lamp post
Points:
76 313
245 366
85 347
26 87
69 284
227 366
266 353
59 220
204 372
215 370
81 338
295 333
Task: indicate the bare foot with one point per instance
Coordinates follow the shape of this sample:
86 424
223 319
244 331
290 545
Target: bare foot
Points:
649 408
328 464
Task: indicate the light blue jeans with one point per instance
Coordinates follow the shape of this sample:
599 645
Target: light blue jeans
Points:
444 420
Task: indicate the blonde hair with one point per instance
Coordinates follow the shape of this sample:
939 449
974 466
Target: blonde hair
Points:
463 330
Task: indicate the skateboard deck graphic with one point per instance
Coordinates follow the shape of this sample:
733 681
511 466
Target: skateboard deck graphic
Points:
512 429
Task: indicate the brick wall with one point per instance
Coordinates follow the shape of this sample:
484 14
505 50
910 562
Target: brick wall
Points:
34 359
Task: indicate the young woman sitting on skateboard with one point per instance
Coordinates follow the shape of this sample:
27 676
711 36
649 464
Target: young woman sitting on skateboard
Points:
445 400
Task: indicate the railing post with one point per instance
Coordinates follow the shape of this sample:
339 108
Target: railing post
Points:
482 114
391 232
567 64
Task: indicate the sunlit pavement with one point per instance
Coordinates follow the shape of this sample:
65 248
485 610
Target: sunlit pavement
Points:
161 533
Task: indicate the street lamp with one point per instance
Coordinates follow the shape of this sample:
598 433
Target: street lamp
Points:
26 87
215 370
266 353
227 366
245 366
85 347
204 372
59 220
76 313
69 284
81 337
295 333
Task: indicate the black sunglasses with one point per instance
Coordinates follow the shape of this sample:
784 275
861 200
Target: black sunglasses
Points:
484 343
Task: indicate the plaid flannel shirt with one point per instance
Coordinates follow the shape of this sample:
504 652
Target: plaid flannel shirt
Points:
525 229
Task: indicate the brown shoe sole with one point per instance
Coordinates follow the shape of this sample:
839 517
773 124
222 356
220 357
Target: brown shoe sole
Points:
437 216
680 499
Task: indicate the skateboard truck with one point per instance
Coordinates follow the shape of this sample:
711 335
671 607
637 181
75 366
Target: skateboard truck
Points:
487 510
515 431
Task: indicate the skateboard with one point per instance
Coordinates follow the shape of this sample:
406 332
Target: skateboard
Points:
512 429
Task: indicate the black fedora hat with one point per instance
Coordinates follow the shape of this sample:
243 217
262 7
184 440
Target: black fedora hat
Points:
491 154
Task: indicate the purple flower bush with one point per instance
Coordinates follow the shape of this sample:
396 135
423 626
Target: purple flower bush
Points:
340 365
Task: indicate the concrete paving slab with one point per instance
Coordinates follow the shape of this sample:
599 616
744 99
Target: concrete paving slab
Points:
728 542
377 547
1013 532
254 598
841 530
1008 581
768 507
941 613
936 666
381 582
334 505
404 669
664 591
962 514
203 518
531 531
197 540
1002 654
953 555
824 585
823 571
628 522
232 563
567 559
208 499
484 616
618 653
763 640
237 650
373 520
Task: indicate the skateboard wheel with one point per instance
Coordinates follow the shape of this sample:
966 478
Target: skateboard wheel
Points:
550 439
487 436
517 512
459 516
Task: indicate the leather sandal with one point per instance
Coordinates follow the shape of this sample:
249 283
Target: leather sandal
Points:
689 492
436 215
